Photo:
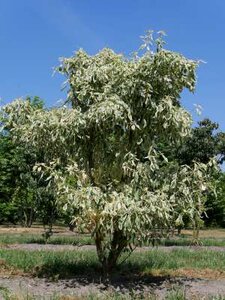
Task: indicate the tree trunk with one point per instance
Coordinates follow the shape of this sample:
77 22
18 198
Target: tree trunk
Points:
179 230
28 217
108 259
71 227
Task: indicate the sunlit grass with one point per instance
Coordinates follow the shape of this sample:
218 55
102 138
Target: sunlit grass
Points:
66 264
6 239
84 239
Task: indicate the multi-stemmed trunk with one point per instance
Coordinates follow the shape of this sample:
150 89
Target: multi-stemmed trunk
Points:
109 257
28 217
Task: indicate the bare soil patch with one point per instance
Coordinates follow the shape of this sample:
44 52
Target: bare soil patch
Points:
52 247
78 287
207 233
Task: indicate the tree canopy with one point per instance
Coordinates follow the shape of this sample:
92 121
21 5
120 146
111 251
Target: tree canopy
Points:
102 154
204 143
23 196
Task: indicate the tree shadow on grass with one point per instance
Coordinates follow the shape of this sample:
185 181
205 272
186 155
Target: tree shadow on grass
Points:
126 278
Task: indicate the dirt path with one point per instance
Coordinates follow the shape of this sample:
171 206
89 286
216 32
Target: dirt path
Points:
46 247
193 288
50 247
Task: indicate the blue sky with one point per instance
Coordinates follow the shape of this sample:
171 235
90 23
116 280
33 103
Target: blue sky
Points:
35 33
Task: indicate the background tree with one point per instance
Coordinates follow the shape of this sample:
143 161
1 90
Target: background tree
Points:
204 143
215 203
9 160
23 196
102 154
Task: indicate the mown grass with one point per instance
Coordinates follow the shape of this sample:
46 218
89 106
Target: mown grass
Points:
80 240
62 264
184 241
178 258
84 266
67 264
25 238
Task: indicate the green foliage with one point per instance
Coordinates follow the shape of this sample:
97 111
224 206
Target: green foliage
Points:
102 157
215 203
204 144
10 160
23 195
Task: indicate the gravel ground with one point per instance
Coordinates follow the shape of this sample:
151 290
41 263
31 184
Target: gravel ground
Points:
51 247
193 288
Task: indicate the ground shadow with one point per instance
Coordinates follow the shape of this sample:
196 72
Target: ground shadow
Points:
125 278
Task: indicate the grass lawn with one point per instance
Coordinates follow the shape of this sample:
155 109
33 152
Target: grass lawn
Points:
27 238
150 264
141 265
215 237
67 264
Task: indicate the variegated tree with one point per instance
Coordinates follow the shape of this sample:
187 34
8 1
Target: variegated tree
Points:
101 151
